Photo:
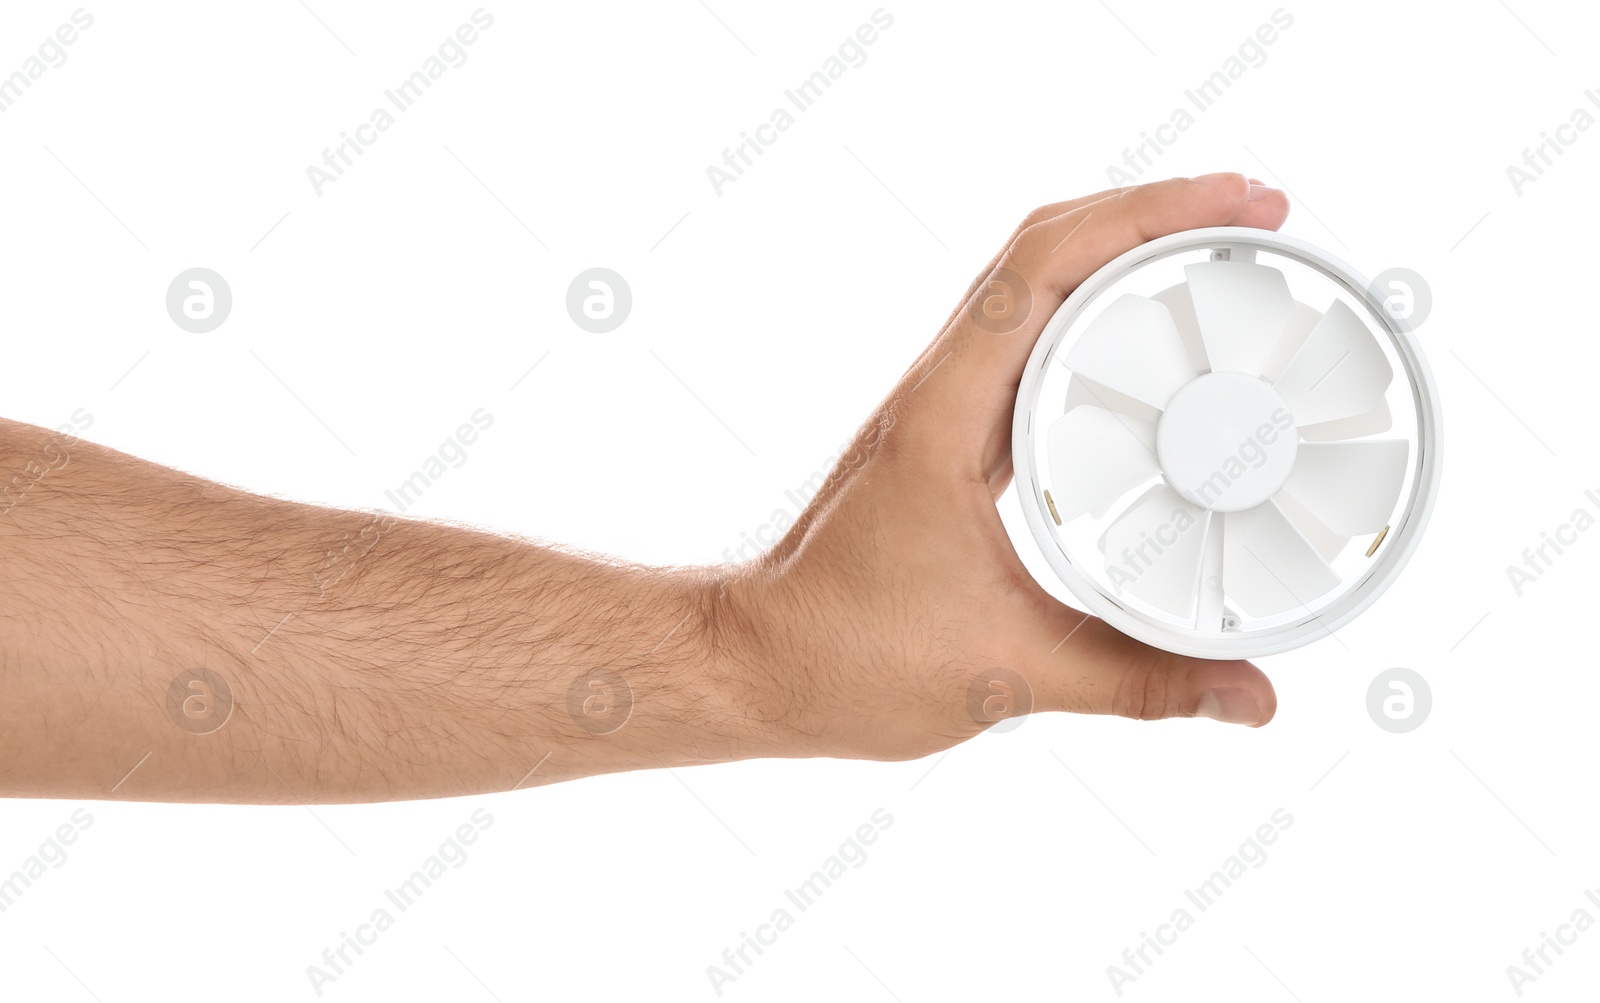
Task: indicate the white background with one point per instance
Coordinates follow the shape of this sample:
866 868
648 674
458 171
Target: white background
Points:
373 319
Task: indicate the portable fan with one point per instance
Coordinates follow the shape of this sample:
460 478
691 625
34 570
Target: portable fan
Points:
1225 443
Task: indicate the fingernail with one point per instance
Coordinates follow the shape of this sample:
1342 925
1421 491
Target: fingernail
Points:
1229 704
1260 191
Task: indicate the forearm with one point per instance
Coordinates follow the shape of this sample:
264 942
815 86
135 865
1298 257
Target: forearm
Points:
365 657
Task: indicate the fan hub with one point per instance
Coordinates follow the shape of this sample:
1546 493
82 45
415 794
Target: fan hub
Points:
1226 441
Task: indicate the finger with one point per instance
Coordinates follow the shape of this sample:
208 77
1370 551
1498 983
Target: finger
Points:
1038 215
1053 256
979 363
1091 668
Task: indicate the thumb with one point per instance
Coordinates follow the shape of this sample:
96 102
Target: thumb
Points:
1083 665
978 359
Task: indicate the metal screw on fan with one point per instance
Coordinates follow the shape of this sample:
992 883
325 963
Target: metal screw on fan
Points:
1226 466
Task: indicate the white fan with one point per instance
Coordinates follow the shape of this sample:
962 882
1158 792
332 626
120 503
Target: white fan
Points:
1226 466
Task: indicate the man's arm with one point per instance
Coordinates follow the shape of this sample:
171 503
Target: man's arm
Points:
356 657
166 638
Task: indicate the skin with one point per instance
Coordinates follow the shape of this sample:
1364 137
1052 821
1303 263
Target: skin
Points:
368 657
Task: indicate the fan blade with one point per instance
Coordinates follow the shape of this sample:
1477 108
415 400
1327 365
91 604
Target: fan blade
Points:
1212 607
1326 541
1153 550
1243 309
1355 427
1179 303
1350 487
1301 321
1267 566
1082 391
1340 371
1096 457
1134 348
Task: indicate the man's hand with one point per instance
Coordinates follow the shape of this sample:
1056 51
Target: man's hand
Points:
895 607
165 638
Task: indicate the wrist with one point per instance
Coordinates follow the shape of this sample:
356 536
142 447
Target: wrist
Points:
693 688
743 651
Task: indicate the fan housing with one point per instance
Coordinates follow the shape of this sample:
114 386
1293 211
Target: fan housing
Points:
1226 444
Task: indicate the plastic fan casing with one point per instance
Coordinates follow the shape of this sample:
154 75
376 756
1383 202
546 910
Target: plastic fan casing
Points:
1406 529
